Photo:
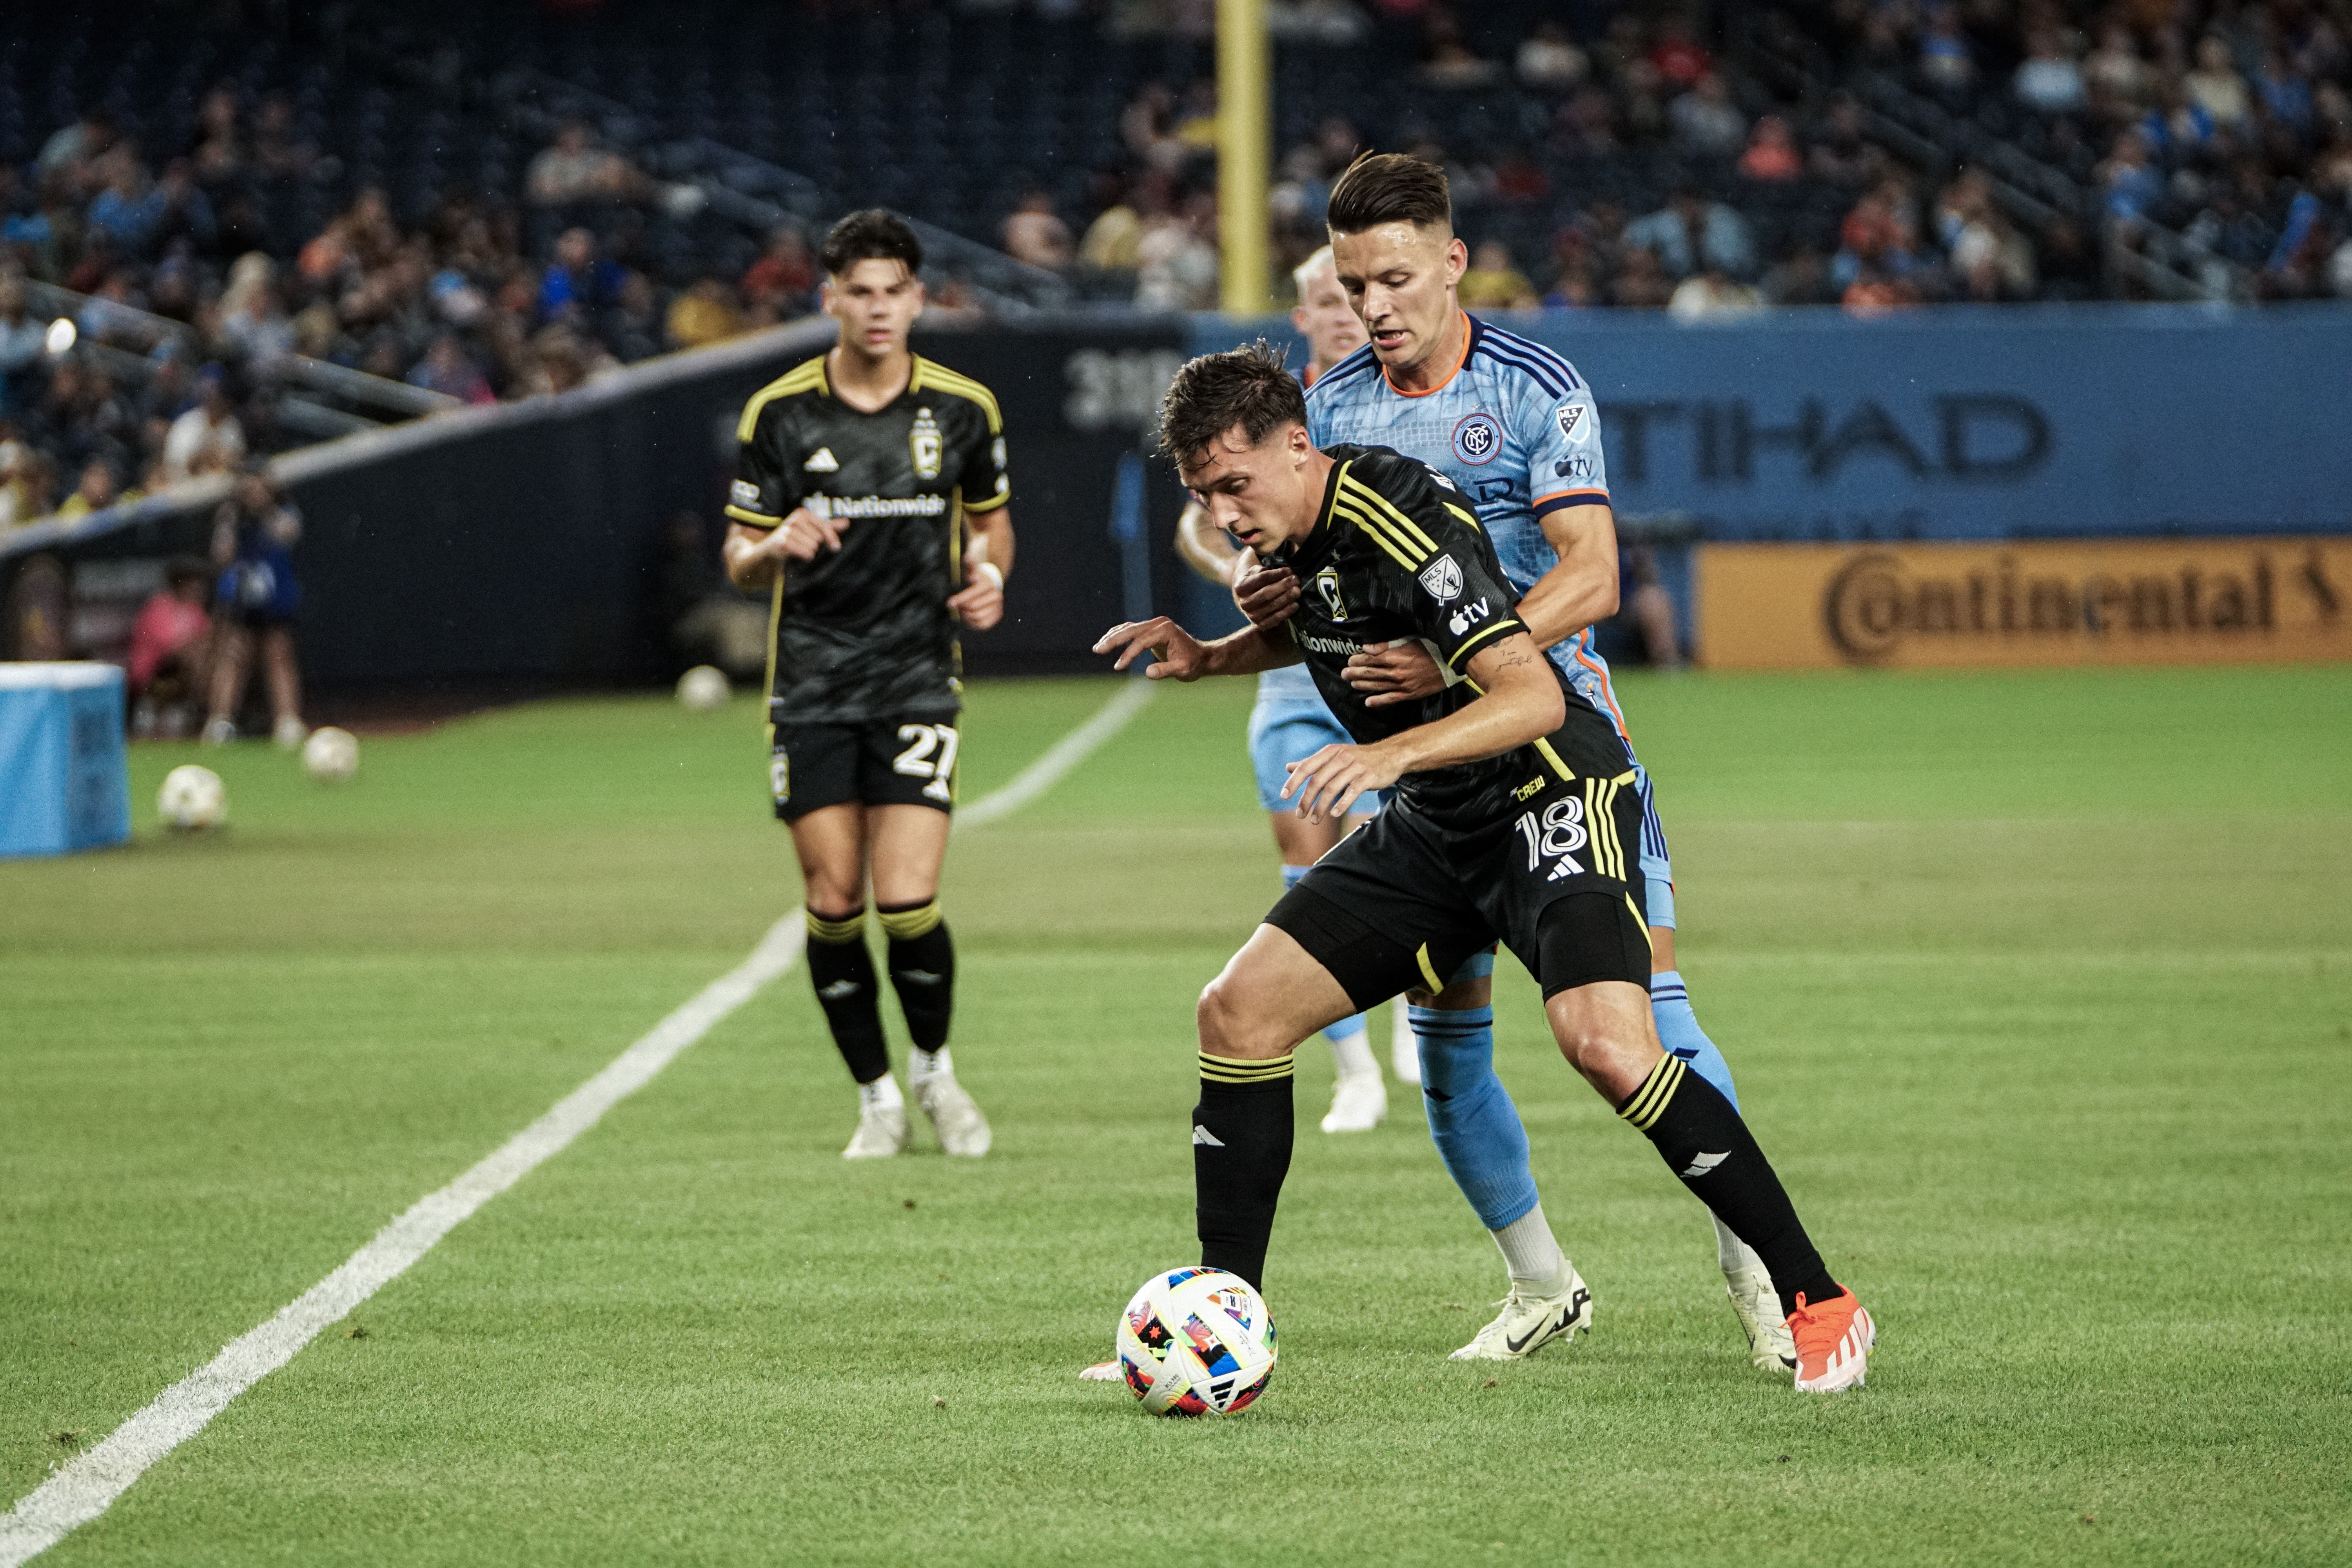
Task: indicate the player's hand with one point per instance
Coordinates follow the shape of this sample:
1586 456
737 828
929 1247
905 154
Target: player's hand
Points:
804 533
1178 655
1393 672
1328 782
980 604
1267 594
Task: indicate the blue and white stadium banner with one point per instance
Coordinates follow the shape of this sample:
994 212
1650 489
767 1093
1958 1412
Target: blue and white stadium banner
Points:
65 782
1992 422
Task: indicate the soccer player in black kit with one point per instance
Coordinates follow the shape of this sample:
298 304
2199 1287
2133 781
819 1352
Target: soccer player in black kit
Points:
871 499
1515 818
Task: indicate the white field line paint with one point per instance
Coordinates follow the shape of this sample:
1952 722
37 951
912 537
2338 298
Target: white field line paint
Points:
1062 756
86 1485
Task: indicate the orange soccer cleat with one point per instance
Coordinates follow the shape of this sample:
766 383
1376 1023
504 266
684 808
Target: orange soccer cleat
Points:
1833 1341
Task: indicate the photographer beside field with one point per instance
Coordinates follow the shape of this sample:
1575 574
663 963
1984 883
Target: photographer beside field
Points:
255 598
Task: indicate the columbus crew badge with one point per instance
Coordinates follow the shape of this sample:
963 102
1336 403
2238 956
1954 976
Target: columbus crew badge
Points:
926 445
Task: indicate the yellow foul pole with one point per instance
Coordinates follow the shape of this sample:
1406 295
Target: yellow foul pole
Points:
1245 152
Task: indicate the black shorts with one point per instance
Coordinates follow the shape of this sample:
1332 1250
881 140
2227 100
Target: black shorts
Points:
889 761
1402 902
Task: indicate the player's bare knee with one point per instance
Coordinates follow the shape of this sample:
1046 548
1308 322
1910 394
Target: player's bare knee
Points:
1235 1019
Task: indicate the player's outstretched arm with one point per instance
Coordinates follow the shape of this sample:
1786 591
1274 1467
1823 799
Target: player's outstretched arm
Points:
1203 546
1178 655
1519 699
1582 590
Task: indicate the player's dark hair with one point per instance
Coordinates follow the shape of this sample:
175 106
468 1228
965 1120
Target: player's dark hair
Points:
873 234
1389 187
1248 386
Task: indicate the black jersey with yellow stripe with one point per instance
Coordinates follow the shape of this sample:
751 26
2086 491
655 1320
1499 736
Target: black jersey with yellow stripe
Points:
864 633
1396 556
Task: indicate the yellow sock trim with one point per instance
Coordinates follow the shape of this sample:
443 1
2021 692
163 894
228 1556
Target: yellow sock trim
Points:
837 932
904 925
1235 1069
1649 1101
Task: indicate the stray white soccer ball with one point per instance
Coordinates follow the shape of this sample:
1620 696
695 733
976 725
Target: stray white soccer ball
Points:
331 755
1196 1341
192 798
704 688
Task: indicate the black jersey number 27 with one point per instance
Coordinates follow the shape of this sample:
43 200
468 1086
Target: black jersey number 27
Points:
931 755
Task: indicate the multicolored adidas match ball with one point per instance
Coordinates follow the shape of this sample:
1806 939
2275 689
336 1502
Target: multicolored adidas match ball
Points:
1196 1341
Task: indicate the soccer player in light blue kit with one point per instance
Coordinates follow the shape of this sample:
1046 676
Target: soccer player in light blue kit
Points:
1513 428
1290 720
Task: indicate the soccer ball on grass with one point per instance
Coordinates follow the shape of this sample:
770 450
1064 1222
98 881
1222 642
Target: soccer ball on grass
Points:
192 798
703 688
1196 1341
331 755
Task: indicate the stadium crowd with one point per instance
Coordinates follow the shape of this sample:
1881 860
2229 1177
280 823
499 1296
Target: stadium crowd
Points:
1606 156
2231 125
459 301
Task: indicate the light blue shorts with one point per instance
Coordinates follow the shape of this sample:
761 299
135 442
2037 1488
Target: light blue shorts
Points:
1286 731
1657 866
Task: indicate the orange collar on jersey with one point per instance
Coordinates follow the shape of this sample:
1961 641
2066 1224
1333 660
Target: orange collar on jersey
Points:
1468 328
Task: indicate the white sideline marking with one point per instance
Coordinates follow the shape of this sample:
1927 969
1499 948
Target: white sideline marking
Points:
86 1485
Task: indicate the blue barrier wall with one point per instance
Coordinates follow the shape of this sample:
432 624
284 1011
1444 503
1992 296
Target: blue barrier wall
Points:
1964 422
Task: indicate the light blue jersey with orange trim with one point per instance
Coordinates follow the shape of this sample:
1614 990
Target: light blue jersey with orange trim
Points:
1516 430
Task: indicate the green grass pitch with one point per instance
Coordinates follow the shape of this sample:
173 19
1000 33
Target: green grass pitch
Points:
2038 989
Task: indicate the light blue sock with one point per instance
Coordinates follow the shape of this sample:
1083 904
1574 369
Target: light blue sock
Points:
1678 1031
1471 1117
1353 1023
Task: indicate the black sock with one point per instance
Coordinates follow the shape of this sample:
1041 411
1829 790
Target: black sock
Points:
1706 1143
922 969
842 977
1241 1151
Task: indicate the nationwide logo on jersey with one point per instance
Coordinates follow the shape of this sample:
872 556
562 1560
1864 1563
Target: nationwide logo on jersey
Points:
1326 583
926 445
1576 422
1477 438
1442 578
822 461
877 506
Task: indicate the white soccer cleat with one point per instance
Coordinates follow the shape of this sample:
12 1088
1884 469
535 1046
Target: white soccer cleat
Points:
1101 1372
881 1132
1769 1344
219 732
1404 1047
962 1128
1527 1323
1359 1103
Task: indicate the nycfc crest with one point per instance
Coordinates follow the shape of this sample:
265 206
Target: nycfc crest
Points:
926 445
1442 578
